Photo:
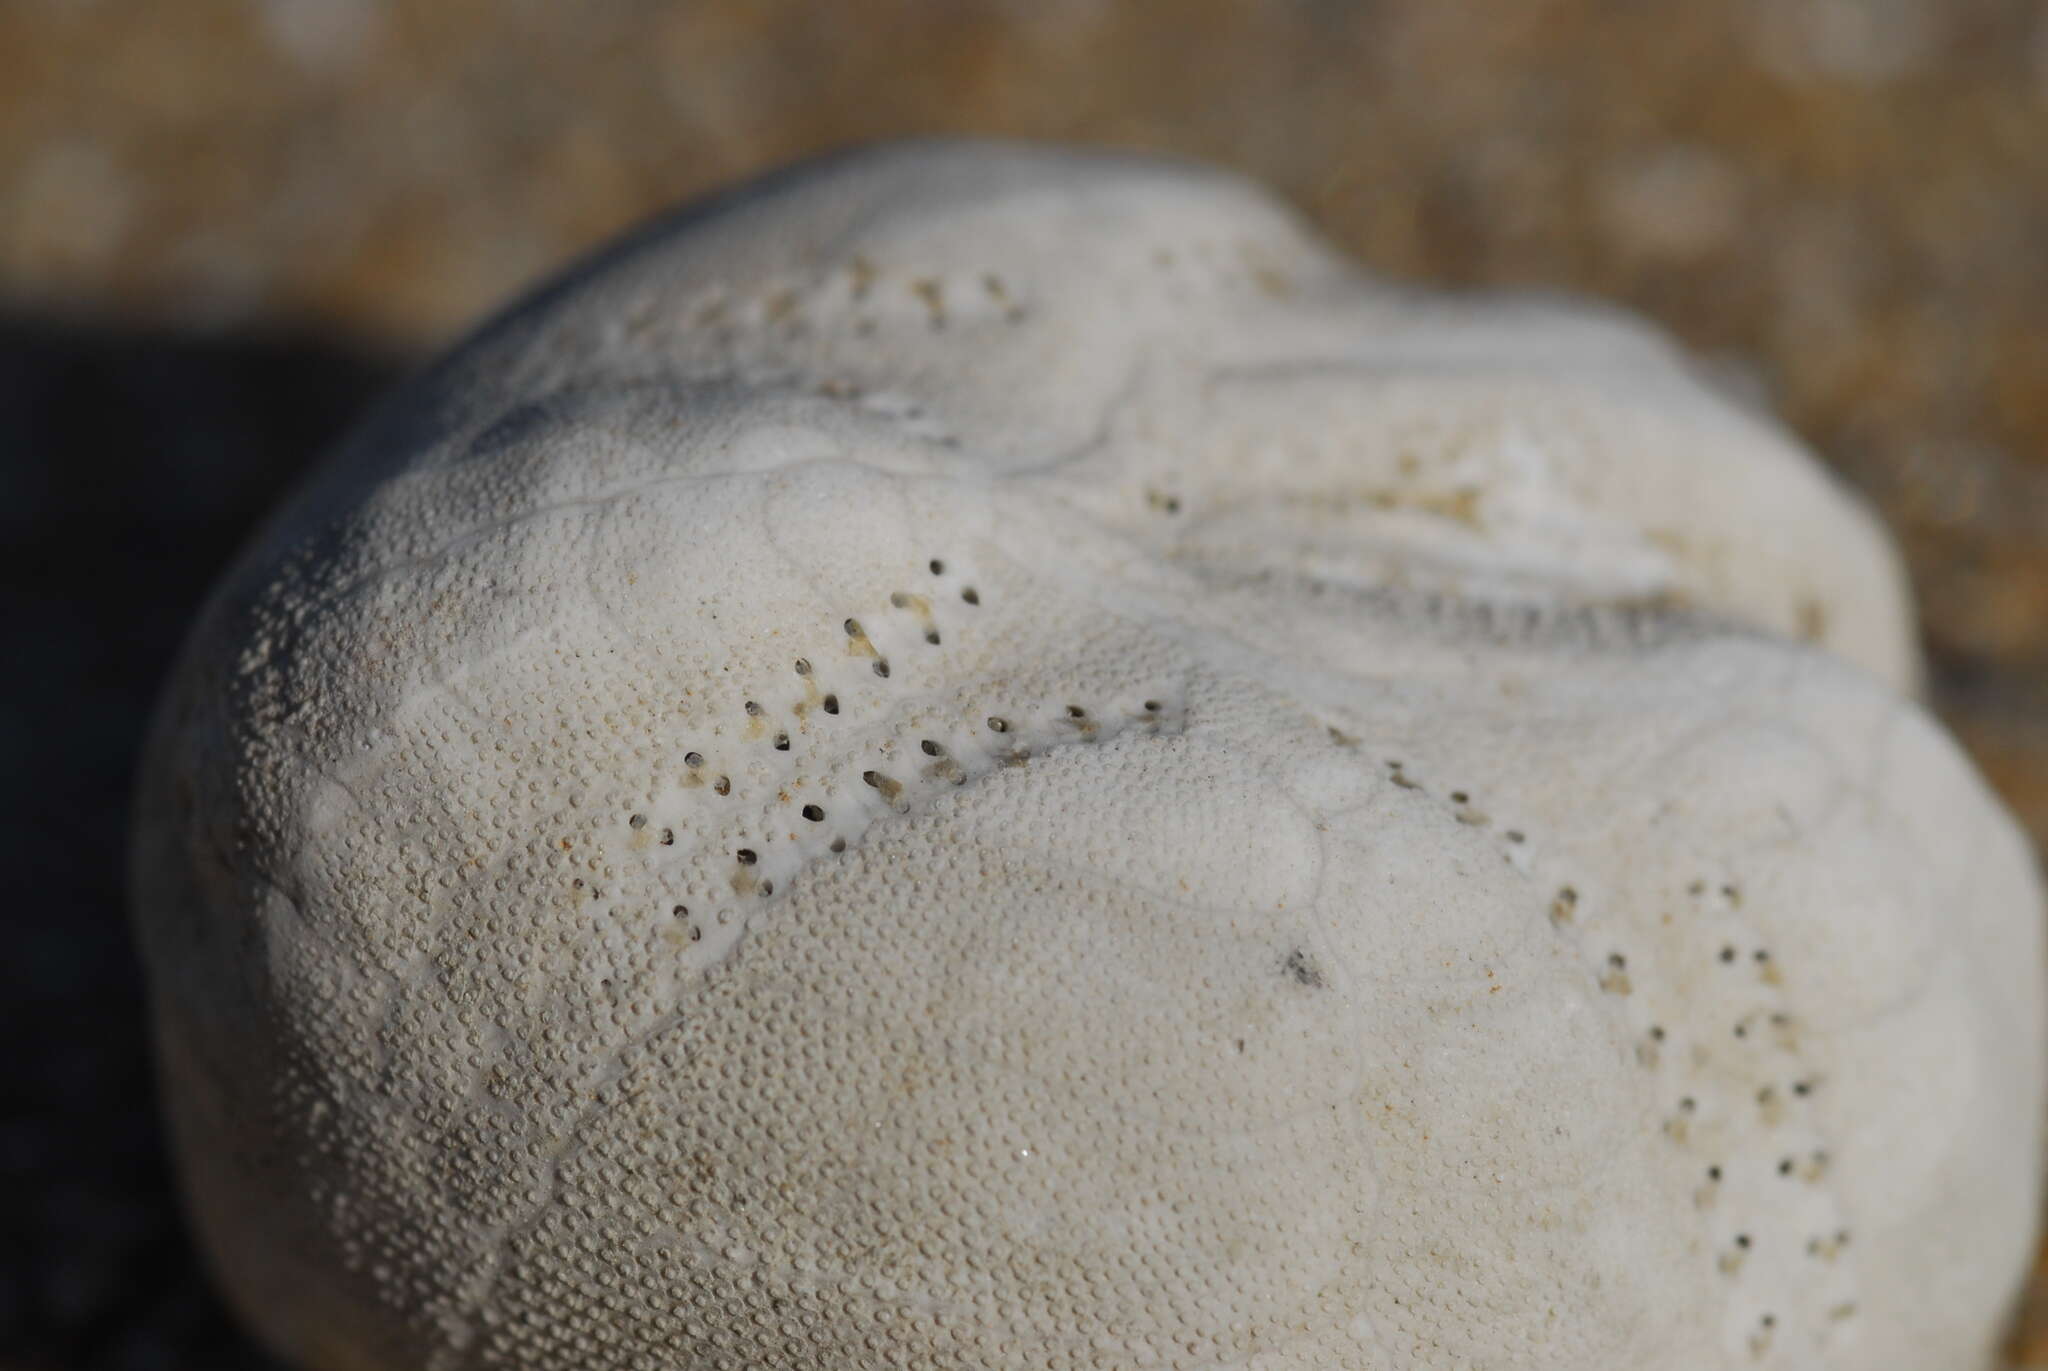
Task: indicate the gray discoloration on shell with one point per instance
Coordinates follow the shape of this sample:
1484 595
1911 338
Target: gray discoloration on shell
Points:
983 757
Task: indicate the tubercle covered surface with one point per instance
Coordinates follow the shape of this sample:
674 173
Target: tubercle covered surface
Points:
984 757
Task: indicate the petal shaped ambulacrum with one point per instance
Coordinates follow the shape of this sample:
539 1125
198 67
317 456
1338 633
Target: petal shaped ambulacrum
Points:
984 757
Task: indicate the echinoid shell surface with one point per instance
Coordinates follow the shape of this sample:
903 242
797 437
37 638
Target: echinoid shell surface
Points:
978 756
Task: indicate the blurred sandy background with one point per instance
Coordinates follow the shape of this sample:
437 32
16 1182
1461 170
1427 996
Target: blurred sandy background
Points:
226 224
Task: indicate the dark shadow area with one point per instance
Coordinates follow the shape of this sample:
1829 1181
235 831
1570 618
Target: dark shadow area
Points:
132 466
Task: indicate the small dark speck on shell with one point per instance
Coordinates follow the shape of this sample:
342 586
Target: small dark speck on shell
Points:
1302 968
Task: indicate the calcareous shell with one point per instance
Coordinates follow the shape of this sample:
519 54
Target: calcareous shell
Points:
985 757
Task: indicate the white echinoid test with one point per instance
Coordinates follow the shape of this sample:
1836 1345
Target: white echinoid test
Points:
986 757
